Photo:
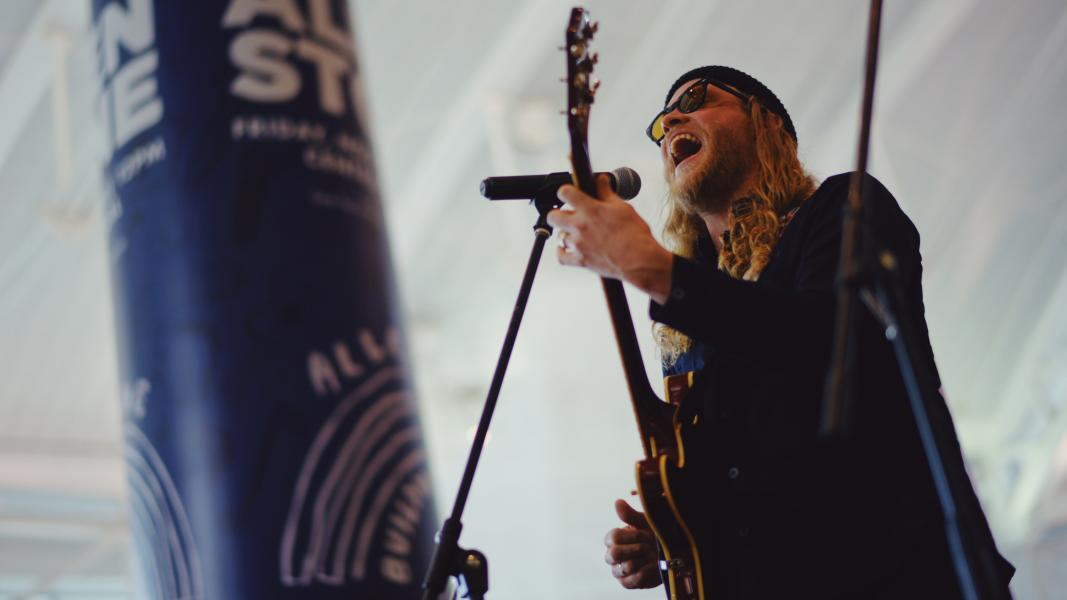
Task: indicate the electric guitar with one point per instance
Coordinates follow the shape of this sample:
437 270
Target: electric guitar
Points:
666 484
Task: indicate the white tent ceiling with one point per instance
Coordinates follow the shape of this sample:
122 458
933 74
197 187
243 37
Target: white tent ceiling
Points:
968 135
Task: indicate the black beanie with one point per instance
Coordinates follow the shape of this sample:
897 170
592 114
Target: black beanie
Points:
744 83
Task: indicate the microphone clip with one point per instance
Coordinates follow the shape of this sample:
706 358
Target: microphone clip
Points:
544 202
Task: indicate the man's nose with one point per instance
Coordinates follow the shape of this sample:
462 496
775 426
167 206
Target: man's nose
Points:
672 119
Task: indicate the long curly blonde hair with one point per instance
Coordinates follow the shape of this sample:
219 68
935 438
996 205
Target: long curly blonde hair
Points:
755 222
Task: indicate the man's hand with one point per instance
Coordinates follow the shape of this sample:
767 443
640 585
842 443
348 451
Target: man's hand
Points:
609 237
632 551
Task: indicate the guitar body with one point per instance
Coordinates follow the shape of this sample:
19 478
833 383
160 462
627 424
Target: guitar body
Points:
668 482
665 479
658 485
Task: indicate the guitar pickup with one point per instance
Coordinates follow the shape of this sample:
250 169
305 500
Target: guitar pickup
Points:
676 387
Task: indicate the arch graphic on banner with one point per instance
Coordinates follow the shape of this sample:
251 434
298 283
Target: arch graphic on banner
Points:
336 506
160 524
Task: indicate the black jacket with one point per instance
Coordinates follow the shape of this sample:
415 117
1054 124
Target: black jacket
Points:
785 513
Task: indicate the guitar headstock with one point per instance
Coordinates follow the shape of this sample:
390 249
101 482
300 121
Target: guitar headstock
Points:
581 89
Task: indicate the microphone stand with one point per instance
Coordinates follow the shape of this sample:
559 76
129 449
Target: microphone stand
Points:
470 567
868 273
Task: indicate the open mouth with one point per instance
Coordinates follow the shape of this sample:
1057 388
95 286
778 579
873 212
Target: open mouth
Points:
683 146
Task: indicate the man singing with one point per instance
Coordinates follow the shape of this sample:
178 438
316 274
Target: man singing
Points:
744 296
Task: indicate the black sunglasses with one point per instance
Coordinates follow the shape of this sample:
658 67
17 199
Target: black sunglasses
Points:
691 100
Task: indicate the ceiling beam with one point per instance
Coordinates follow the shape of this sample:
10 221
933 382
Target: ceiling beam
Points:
23 81
515 54
901 58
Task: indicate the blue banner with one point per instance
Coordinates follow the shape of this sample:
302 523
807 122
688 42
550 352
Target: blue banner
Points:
272 441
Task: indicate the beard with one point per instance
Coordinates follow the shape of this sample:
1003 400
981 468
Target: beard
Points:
724 167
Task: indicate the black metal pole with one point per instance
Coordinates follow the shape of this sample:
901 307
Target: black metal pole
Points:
836 412
972 556
448 558
859 269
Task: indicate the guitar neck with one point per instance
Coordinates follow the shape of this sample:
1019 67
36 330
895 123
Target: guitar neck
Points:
646 404
581 89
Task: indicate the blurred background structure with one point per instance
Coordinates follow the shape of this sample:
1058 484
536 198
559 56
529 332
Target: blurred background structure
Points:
968 134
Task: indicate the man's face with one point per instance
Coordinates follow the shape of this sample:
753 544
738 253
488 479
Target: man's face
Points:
710 153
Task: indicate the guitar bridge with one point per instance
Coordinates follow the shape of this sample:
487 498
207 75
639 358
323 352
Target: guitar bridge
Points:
673 564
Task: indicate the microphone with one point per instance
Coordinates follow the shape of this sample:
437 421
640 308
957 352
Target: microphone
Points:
624 181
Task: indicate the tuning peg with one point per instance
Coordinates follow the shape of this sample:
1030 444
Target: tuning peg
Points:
561 48
563 80
596 58
596 85
595 26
